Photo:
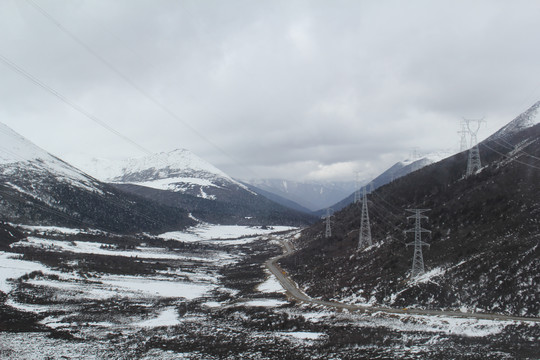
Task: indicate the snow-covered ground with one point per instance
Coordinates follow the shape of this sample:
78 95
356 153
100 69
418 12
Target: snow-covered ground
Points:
265 302
12 267
57 230
237 234
87 247
178 281
188 308
271 285
168 317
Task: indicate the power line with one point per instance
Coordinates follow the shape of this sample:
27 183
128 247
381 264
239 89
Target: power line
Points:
380 217
513 147
139 89
14 67
509 158
389 204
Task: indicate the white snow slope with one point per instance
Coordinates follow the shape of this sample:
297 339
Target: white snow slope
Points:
17 152
179 170
528 118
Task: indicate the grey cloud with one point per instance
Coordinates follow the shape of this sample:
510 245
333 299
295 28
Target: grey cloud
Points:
289 88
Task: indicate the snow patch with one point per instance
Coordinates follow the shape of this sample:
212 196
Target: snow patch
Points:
428 276
11 267
265 302
205 232
157 287
271 285
303 335
84 247
213 304
168 317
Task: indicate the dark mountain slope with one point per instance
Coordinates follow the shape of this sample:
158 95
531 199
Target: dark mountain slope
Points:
52 202
484 253
238 208
182 180
37 188
8 235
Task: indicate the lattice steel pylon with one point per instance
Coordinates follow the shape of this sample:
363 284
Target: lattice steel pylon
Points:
463 140
418 258
357 188
328 217
364 238
473 162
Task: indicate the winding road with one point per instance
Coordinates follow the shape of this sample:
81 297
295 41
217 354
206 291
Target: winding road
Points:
294 292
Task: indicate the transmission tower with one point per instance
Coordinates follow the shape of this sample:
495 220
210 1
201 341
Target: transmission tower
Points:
364 239
463 133
328 217
473 163
418 259
357 188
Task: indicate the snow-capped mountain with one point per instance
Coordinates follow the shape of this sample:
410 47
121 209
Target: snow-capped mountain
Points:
39 188
181 179
312 195
399 169
178 171
528 118
18 155
402 168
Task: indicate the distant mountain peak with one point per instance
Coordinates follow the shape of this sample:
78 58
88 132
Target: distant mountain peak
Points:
175 163
179 170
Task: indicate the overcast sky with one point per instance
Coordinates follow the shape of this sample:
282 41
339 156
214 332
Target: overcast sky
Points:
269 89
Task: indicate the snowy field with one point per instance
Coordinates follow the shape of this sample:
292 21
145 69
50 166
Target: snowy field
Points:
95 248
209 297
236 234
12 267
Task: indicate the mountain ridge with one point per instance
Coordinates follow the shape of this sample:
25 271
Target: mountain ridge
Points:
39 188
182 180
399 169
484 253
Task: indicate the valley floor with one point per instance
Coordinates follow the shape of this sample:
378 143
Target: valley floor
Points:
205 294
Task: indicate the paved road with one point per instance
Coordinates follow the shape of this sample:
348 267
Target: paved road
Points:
294 292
